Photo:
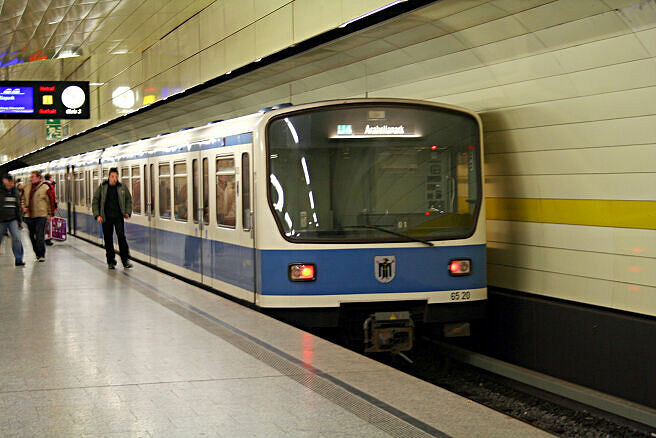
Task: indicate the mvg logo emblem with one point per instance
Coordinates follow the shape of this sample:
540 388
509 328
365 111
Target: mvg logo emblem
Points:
385 268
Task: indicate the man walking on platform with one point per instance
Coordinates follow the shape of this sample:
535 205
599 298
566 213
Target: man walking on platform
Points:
39 207
112 203
11 217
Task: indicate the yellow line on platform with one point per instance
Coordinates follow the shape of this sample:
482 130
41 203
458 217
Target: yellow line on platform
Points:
590 212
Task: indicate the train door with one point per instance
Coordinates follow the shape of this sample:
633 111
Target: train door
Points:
149 192
203 212
68 199
95 183
195 242
231 244
247 216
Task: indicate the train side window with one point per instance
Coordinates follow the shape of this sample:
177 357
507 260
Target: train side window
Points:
79 188
105 174
246 192
125 176
194 185
136 190
180 191
96 181
206 192
66 188
225 192
165 191
87 187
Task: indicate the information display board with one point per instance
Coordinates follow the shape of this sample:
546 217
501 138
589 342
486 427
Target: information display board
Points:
44 100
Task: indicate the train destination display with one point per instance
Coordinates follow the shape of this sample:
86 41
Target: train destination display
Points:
44 100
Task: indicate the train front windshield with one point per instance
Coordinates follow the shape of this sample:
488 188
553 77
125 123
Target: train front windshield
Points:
389 173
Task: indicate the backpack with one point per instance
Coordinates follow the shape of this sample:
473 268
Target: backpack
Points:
51 188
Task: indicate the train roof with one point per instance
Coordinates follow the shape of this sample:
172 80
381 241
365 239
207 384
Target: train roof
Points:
184 138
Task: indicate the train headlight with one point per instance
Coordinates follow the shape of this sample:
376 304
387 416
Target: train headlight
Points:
460 267
302 272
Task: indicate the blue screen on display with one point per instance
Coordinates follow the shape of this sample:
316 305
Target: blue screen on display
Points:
16 100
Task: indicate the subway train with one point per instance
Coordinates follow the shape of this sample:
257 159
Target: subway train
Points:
360 211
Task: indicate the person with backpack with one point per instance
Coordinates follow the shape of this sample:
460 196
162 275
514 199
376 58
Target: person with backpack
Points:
112 203
39 206
11 218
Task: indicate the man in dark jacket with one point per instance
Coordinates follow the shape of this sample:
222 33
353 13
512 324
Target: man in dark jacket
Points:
112 203
11 218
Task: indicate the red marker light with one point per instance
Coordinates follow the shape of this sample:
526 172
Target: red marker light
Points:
471 148
428 213
460 267
302 272
434 148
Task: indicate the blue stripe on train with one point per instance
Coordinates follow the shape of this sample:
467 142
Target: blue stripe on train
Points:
351 271
87 224
225 262
344 271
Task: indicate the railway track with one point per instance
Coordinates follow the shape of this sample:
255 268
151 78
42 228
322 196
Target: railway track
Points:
550 404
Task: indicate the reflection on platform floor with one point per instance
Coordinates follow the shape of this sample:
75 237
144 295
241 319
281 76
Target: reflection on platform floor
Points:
89 352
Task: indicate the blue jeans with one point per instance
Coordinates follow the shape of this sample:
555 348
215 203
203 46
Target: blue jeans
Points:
37 228
16 244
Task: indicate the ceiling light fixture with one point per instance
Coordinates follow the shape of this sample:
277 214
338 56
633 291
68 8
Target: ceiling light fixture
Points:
67 54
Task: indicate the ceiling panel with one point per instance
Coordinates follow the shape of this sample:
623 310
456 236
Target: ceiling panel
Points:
13 8
78 26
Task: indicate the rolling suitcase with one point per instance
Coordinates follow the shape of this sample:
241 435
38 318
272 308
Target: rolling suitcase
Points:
56 229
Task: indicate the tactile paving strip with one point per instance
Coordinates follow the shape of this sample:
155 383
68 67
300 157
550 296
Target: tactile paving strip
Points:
370 409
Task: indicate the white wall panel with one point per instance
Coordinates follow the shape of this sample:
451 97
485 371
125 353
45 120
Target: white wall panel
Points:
648 40
212 25
632 186
274 32
265 7
626 269
240 48
314 16
619 160
638 130
609 240
568 287
212 60
238 14
606 106
622 296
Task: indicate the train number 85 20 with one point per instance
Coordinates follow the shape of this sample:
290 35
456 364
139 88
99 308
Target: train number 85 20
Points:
460 296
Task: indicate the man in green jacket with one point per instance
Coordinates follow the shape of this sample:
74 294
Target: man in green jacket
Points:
112 203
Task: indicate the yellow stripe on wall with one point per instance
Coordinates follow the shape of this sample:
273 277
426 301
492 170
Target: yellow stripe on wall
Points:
591 212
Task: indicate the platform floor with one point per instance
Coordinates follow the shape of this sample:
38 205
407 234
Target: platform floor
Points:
89 352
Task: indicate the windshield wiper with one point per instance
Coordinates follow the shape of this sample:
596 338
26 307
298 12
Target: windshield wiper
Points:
385 230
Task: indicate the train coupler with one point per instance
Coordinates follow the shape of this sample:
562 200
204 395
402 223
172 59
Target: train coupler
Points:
391 332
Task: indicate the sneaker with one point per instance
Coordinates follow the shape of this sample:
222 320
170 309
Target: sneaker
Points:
111 266
41 259
20 263
128 265
49 242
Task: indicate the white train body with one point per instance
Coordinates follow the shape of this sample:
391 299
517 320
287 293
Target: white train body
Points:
377 196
